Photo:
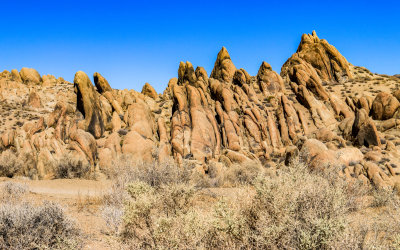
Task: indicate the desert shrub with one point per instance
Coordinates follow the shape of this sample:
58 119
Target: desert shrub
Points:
297 209
10 164
383 232
383 197
155 174
112 216
151 213
125 171
25 226
68 166
241 174
11 191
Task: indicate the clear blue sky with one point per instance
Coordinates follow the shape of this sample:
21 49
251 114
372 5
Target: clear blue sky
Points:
131 43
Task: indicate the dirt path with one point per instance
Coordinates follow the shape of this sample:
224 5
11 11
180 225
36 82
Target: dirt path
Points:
64 187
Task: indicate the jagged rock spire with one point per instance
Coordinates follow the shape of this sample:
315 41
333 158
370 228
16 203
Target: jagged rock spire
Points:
186 73
88 104
224 69
101 83
324 58
268 80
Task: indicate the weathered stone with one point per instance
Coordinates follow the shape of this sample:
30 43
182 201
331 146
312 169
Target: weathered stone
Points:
268 80
88 104
364 130
86 142
329 64
34 100
101 83
30 76
149 91
15 75
223 68
384 106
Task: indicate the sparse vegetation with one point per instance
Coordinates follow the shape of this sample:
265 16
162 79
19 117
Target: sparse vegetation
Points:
25 225
10 164
295 208
71 167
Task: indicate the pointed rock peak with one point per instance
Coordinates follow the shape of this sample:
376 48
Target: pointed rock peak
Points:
326 60
149 91
308 38
223 54
224 69
186 73
264 67
201 74
268 80
101 83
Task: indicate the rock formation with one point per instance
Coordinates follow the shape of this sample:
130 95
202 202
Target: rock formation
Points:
325 59
29 76
312 109
88 104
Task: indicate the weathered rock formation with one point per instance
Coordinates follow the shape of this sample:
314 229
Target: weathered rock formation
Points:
229 117
325 59
88 104
29 76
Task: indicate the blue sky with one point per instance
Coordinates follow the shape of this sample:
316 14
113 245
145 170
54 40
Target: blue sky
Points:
131 43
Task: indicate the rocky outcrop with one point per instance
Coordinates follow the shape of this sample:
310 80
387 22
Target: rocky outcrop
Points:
88 104
15 76
228 118
268 80
34 100
101 83
149 91
325 59
30 76
364 130
223 67
384 106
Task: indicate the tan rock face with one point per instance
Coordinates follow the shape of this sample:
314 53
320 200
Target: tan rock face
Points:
15 76
34 100
364 130
88 104
268 80
229 117
384 106
149 91
30 76
101 83
84 142
138 147
329 64
223 68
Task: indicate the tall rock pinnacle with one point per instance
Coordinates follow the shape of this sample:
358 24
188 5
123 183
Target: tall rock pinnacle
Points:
329 64
224 69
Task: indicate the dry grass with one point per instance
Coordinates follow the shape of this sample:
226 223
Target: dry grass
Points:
295 208
25 225
10 164
70 167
